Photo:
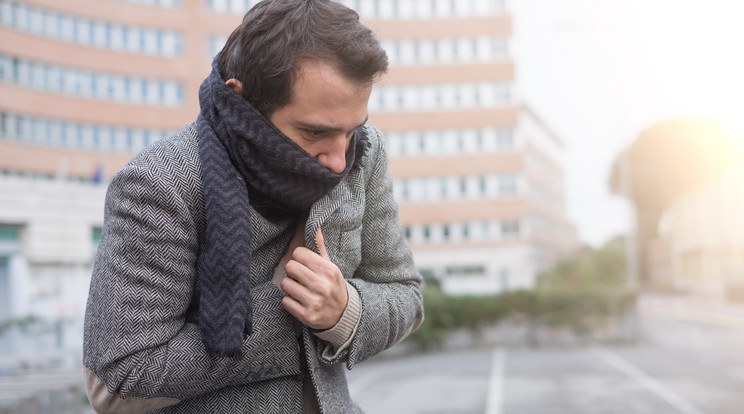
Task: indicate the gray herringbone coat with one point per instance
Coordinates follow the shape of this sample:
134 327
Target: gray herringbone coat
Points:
142 342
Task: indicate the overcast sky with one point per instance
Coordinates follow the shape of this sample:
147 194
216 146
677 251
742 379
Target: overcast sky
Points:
600 71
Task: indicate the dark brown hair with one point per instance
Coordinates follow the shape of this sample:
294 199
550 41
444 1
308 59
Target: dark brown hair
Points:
265 51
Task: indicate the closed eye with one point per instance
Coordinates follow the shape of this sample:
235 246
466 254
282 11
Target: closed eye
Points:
314 133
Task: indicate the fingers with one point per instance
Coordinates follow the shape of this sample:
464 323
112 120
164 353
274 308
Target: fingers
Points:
306 266
315 301
316 292
295 290
321 244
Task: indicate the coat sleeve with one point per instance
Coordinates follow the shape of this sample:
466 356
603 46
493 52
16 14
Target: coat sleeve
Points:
138 344
387 280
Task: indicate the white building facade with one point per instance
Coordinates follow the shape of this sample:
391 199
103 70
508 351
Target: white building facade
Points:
83 87
49 230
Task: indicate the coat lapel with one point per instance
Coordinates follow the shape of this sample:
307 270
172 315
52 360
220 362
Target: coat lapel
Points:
323 208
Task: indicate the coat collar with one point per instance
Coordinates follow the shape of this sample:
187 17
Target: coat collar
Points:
324 207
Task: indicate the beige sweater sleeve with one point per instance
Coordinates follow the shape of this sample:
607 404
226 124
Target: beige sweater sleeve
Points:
339 336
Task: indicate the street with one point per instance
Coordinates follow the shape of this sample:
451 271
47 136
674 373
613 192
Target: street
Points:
688 360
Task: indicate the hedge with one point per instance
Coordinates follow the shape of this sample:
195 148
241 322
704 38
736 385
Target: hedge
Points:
580 310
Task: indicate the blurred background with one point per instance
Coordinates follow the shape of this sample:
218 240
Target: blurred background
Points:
570 174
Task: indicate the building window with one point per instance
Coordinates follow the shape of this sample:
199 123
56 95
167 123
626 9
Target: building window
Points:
95 238
510 228
9 233
83 83
70 28
507 185
465 270
396 98
160 3
72 135
446 232
505 138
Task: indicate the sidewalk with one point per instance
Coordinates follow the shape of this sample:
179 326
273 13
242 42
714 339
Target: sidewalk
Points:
716 311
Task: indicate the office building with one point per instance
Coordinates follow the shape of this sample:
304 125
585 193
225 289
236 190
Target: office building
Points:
85 84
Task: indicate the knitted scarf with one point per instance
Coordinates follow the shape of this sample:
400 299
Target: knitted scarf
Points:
243 153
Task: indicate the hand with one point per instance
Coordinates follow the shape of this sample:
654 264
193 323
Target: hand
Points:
315 288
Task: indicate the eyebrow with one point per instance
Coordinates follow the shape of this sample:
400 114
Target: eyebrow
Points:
326 128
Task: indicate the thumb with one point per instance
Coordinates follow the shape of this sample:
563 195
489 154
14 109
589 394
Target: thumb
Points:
321 244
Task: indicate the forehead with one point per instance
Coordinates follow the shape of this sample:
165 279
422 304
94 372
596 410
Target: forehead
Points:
313 73
322 95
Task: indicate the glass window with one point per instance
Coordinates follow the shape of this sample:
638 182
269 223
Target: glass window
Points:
36 21
485 229
74 27
143 90
367 8
96 233
37 76
440 8
99 34
117 88
179 93
104 137
406 9
510 228
52 25
107 86
118 139
127 88
129 140
385 9
20 72
125 39
219 6
93 78
149 42
482 7
507 184
21 16
463 186
117 33
178 45
65 133
67 32
55 130
9 233
146 138
442 188
505 138
6 13
77 140
427 233
462 8
107 35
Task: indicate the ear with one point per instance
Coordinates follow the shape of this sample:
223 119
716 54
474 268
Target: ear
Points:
235 85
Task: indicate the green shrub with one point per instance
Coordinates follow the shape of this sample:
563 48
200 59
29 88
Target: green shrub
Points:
580 310
583 294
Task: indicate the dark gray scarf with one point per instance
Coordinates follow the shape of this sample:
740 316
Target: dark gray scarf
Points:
244 157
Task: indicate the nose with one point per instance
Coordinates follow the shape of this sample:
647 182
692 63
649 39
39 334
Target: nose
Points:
333 156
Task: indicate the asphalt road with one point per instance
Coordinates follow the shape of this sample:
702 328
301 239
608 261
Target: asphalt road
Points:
689 359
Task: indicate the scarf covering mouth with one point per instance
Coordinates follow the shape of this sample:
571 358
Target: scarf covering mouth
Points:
241 150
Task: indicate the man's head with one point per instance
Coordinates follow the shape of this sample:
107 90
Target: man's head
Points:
266 51
308 66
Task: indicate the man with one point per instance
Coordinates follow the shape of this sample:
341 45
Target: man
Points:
246 260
